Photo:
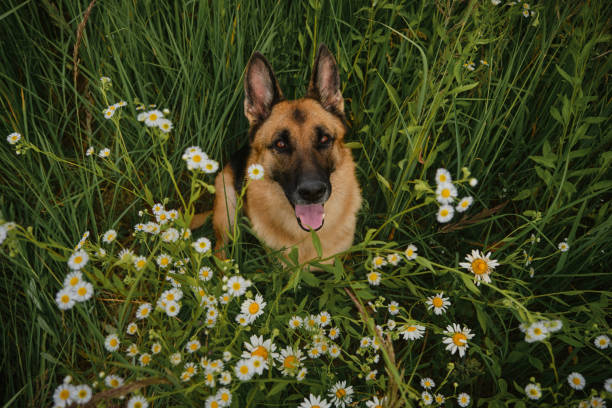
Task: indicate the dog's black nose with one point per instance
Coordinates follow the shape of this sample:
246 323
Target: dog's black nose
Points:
312 191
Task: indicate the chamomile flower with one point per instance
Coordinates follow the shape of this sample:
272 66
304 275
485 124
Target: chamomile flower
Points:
495 2
597 402
391 324
371 376
470 65
105 80
13 138
393 308
340 394
144 359
137 401
378 262
253 308
257 346
65 299
143 311
139 262
334 350
576 381
608 385
602 342
446 193
90 150
255 171
533 391
334 332
111 343
463 399
290 359
156 348
104 153
427 398
427 383
152 117
464 204
81 394
393 259
563 246
244 369
438 303
473 182
132 350
83 291
175 359
62 396
480 265
170 235
536 332
202 245
443 176
526 13
205 273
324 318
553 325
365 342
210 166
445 213
109 236
78 260
295 322
195 159
193 346
412 331
373 278
225 378
376 402
163 260
164 125
439 398
457 338
314 352
411 252
314 401
237 285
225 396
484 62
113 381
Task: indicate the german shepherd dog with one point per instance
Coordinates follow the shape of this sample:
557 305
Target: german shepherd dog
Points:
309 178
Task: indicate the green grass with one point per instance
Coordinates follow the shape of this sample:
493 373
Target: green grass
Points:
533 127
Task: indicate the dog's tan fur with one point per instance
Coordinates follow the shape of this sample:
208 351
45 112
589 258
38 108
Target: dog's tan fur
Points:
272 216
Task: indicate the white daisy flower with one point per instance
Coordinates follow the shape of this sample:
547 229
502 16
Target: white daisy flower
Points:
597 402
90 150
205 273
537 332
412 331
164 260
244 369
164 125
324 318
290 359
143 311
255 171
111 343
463 399
373 278
439 398
132 350
464 204
78 260
443 176
152 117
170 235
391 324
81 394
193 346
62 396
83 291
608 385
156 348
427 383
446 193
457 338
314 401
295 322
132 328
202 245
473 182
576 381
393 308
554 325
563 246
480 265
175 359
533 391
253 308
65 299
225 396
334 332
602 342
210 166
137 401
257 346
237 285
140 262
427 398
340 394
364 342
334 350
438 303
104 153
371 376
445 213
378 262
113 381
13 138
376 402
105 80
393 259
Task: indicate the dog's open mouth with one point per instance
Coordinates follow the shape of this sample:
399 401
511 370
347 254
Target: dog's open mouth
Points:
310 216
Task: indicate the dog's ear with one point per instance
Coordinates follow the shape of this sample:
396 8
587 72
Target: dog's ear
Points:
260 88
325 82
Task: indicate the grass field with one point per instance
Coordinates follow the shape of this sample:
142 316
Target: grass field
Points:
515 96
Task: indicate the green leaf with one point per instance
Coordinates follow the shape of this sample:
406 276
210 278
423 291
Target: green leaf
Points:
277 388
310 279
316 242
463 88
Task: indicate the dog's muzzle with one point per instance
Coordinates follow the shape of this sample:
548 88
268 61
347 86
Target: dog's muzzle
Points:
309 209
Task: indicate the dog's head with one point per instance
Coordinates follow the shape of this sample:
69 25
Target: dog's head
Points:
299 143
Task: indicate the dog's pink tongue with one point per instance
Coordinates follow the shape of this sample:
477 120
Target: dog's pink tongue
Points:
310 215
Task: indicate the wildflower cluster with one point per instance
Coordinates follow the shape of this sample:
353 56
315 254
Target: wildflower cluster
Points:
540 330
155 119
76 288
66 394
197 160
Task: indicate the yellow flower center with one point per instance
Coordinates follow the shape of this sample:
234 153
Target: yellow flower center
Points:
66 299
254 308
64 394
78 259
444 212
479 266
260 351
236 286
602 342
244 369
533 391
82 291
290 362
144 311
437 302
378 261
323 319
214 404
537 331
209 166
197 158
164 261
409 252
459 339
446 193
113 342
114 382
170 296
442 178
138 404
373 276
141 263
340 393
82 394
74 281
225 396
576 380
193 346
153 116
296 323
464 204
146 359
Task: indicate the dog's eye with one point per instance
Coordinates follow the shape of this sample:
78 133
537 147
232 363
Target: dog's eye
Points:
280 144
324 139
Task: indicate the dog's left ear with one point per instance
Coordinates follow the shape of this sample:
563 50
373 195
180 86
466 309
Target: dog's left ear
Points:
325 82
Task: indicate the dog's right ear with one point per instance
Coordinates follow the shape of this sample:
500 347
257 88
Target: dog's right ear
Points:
260 88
